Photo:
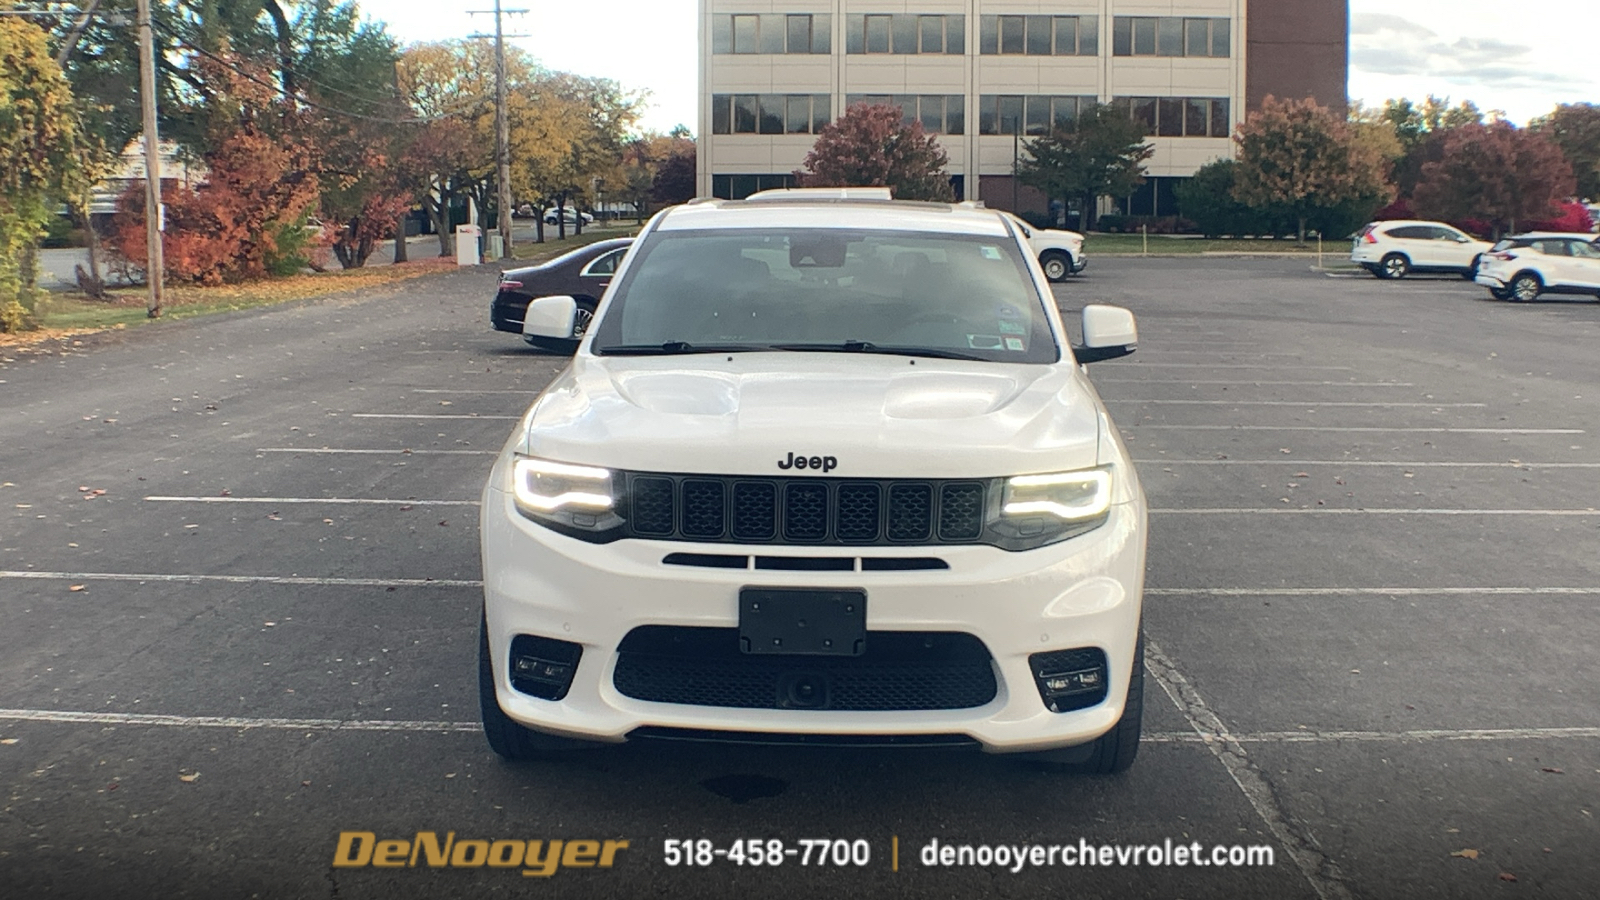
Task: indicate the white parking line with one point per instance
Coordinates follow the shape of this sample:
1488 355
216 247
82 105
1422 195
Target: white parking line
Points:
377 452
1370 591
428 416
1361 428
242 579
240 722
1315 865
1436 464
1343 511
468 391
1293 403
1395 737
371 501
1255 381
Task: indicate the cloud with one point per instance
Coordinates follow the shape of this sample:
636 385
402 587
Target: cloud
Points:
1391 45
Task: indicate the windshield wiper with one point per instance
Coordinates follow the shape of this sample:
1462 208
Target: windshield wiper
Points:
869 347
671 347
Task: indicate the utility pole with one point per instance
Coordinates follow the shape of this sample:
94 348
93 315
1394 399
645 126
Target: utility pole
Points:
502 126
155 264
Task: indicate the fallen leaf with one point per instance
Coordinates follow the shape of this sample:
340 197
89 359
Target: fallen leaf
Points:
1507 876
269 624
76 588
444 522
190 778
82 489
227 493
407 507
112 786
1552 770
1355 671
1302 474
1283 449
327 521
1468 853
8 741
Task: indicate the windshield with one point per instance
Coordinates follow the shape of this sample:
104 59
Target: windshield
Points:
958 296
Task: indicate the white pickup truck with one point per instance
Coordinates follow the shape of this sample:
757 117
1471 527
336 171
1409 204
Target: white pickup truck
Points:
1060 252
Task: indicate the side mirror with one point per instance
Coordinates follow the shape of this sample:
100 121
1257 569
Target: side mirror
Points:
1108 332
550 317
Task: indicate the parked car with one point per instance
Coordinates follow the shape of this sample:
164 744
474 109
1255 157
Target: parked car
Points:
1060 252
571 215
1396 248
1524 267
824 471
582 274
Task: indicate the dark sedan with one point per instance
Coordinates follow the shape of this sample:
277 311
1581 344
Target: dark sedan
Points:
583 274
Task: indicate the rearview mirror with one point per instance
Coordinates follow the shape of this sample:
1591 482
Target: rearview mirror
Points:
550 317
1108 333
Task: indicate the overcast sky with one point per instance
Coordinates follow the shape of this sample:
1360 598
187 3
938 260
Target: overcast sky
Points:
1500 55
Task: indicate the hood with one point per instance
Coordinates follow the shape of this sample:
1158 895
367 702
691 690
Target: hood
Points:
877 416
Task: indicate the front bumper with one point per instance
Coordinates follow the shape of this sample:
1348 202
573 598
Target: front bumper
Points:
1079 263
1083 592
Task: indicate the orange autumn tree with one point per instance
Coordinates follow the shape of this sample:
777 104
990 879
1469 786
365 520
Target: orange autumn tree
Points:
247 219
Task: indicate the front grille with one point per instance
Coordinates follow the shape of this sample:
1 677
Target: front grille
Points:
900 670
732 509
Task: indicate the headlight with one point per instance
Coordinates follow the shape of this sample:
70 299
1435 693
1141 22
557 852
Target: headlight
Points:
563 495
1036 510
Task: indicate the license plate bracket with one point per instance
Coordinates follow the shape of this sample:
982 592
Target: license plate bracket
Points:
803 621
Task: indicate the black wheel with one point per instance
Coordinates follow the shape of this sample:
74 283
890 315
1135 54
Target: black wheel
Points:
1500 293
1115 750
1395 265
1057 265
1472 272
1525 288
567 346
1374 268
512 741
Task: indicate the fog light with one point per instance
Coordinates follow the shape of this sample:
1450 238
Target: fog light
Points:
543 667
1070 679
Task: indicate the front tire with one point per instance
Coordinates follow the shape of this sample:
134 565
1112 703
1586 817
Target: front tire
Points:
1057 265
1395 266
1500 293
1525 288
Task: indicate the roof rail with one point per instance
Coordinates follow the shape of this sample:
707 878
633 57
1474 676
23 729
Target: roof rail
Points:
824 193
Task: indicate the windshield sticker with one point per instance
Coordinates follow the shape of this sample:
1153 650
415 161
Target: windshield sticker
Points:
1014 344
991 252
1011 327
984 341
1007 311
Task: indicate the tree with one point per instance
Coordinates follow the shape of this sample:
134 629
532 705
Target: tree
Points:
1420 130
40 142
1102 153
1497 173
1575 128
1207 200
1300 157
872 146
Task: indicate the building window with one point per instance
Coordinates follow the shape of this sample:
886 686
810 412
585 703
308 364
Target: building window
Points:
738 187
1156 197
1170 36
1039 35
905 33
1032 115
771 34
769 113
938 113
1179 116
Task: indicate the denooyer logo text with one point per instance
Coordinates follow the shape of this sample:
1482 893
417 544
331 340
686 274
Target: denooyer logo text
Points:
536 858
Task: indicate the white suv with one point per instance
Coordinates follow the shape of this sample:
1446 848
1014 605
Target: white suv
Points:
1523 267
825 471
1399 247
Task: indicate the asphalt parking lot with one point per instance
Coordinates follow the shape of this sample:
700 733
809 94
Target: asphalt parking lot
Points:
238 612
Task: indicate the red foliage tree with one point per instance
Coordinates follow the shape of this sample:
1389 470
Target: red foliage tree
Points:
871 146
1574 217
1498 173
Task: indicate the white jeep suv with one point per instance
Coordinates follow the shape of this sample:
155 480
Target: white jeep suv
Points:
823 471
